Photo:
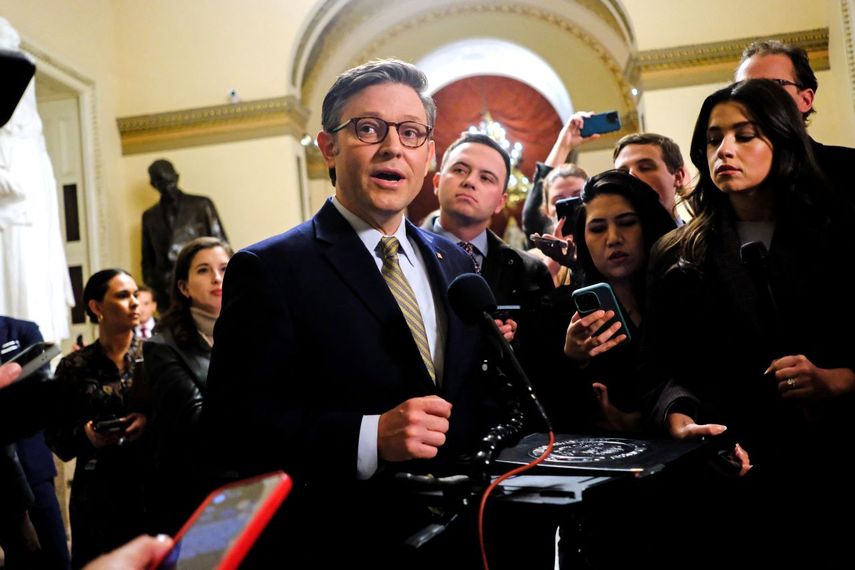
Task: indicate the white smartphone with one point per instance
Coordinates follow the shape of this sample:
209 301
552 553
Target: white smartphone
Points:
34 357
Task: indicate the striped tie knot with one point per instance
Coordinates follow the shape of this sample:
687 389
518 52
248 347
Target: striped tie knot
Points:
389 246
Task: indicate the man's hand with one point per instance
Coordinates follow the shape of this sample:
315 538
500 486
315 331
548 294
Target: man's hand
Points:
414 430
9 372
138 554
508 328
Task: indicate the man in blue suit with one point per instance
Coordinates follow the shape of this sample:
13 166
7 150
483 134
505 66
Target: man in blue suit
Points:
36 461
316 367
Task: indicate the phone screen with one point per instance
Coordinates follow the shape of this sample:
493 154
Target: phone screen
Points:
223 528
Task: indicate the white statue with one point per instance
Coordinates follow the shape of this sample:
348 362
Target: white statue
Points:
34 282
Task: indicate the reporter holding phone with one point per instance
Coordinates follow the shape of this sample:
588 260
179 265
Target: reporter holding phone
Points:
106 496
176 364
619 221
747 346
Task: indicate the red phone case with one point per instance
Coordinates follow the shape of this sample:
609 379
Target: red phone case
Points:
234 555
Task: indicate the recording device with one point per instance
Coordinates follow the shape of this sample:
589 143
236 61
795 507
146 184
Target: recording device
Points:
473 302
227 523
600 296
601 123
111 425
568 208
505 312
34 357
16 72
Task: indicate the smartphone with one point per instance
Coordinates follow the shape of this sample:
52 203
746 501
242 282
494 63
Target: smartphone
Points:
554 248
505 312
227 523
568 208
600 296
34 357
601 123
111 425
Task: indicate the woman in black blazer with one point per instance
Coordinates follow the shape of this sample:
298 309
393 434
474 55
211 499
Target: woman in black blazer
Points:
744 299
177 368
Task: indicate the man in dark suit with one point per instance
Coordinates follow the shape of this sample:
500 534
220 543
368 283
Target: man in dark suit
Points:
789 66
338 358
472 186
36 461
176 219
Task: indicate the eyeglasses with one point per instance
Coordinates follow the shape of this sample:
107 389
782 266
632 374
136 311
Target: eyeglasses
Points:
785 82
373 130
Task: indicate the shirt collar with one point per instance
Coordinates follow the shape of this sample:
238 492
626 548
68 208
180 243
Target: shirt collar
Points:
480 241
370 237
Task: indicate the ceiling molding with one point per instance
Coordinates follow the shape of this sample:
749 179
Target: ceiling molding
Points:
212 125
714 62
332 18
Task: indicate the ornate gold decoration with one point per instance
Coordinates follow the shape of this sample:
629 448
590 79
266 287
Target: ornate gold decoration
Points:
354 13
215 124
849 41
716 61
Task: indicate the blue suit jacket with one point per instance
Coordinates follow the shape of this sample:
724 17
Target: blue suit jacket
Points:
33 453
310 339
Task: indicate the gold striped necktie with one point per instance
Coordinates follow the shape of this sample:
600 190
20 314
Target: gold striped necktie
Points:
403 293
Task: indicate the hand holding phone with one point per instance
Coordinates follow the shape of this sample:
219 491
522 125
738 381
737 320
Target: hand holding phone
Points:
112 425
227 523
568 210
560 250
600 123
588 335
34 357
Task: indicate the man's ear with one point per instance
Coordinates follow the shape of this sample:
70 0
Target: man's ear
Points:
805 100
681 180
431 155
328 147
436 184
502 203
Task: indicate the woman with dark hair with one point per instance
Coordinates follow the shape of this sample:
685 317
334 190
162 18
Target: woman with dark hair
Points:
743 301
176 363
106 494
619 221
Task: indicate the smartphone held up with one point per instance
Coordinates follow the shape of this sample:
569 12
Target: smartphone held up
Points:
600 123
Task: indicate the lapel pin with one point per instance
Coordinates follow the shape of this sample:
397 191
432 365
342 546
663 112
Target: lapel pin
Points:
439 255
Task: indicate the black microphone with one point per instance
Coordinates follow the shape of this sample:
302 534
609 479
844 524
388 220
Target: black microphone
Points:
472 301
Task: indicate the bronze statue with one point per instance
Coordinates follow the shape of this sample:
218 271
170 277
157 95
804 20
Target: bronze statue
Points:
175 220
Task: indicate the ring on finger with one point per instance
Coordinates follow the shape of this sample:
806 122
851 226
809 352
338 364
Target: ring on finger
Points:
791 382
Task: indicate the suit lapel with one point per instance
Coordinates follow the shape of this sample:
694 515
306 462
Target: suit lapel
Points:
348 257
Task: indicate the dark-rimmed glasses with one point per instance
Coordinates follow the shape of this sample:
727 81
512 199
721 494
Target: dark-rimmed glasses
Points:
373 130
785 82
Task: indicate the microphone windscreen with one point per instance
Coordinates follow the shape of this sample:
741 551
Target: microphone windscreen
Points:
470 297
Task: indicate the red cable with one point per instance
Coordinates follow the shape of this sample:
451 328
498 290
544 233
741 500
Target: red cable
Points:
494 484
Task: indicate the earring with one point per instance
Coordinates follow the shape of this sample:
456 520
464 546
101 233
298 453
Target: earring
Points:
100 317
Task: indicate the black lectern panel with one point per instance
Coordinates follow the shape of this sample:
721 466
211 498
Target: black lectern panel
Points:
602 455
